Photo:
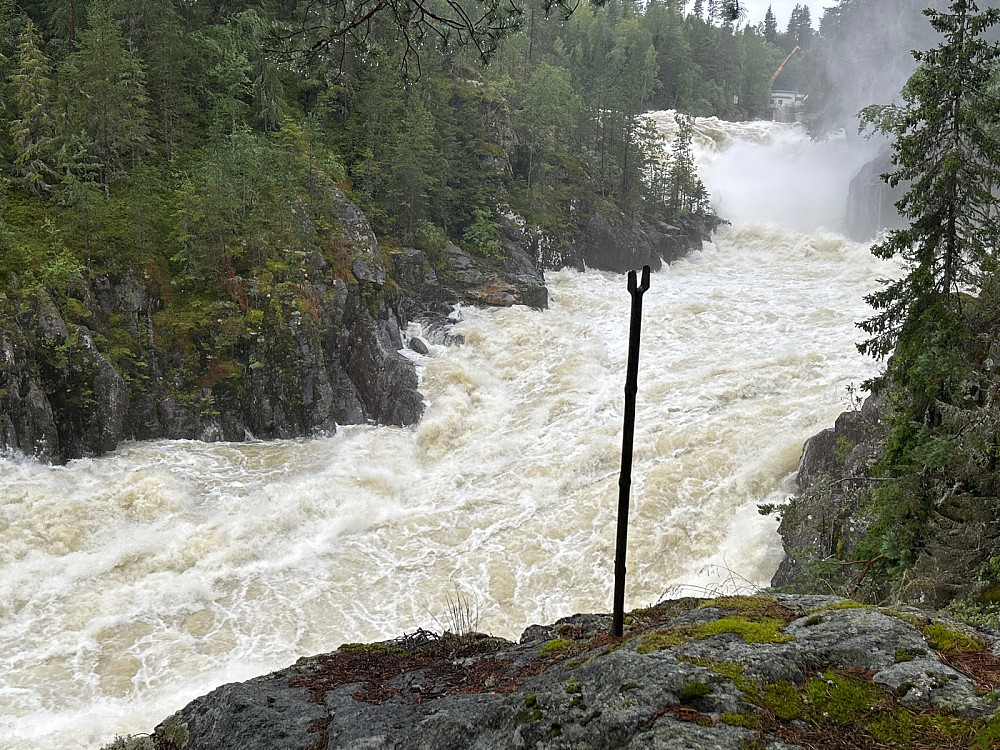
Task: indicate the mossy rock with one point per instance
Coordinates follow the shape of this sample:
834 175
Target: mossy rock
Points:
949 641
763 630
693 691
756 607
556 647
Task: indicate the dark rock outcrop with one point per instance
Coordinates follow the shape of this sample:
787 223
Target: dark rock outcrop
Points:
824 522
826 519
610 241
317 346
730 672
871 202
102 366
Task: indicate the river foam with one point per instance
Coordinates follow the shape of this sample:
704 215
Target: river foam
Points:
132 583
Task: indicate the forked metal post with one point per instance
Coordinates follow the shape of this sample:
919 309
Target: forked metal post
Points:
625 479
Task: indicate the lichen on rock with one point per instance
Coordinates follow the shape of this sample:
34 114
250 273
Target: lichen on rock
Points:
836 682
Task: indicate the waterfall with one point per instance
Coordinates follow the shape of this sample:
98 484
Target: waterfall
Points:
132 583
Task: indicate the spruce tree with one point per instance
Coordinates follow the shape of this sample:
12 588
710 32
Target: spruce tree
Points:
947 151
713 12
770 26
106 94
31 131
686 192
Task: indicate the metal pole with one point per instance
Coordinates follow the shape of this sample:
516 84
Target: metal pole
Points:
625 479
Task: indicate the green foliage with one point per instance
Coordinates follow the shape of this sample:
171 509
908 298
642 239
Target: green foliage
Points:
167 141
693 691
483 234
947 152
104 90
686 191
131 742
32 130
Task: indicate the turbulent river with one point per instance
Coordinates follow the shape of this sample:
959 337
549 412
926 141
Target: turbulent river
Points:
132 583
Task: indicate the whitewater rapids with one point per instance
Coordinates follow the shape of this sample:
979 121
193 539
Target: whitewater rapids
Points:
133 583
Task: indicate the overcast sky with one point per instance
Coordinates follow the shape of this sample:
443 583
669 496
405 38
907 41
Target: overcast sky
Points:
783 10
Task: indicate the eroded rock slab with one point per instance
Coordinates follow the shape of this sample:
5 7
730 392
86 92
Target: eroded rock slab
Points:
732 672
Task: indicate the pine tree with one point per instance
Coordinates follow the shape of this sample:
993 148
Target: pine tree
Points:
32 130
946 149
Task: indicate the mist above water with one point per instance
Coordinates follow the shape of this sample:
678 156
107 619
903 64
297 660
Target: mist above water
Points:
759 171
785 181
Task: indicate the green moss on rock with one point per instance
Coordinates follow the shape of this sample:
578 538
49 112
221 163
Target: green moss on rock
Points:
943 638
555 647
746 721
694 690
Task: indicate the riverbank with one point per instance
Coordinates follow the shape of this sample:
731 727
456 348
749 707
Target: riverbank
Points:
292 350
733 672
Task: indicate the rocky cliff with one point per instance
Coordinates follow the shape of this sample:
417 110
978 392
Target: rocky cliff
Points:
824 527
287 350
318 346
608 240
826 519
871 203
778 672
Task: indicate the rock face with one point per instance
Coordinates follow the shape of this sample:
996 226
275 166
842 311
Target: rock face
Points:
318 347
829 516
609 241
323 350
731 672
323 353
826 519
871 203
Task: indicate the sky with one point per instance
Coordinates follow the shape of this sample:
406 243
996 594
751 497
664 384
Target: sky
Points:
783 10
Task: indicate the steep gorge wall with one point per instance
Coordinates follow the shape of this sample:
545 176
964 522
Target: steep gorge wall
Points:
104 364
318 346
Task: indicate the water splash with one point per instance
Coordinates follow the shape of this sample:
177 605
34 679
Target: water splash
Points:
133 583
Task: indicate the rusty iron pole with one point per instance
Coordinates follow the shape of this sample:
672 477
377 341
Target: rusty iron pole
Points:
625 479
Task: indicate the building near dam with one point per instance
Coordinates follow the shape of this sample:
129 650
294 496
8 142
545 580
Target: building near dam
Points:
787 106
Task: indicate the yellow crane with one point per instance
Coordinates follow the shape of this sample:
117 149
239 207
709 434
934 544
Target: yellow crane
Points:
781 67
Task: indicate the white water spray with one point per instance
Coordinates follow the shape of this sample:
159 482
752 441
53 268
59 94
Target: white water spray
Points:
133 583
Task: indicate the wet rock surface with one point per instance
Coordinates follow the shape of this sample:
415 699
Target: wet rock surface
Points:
832 511
871 202
610 241
732 672
321 347
826 519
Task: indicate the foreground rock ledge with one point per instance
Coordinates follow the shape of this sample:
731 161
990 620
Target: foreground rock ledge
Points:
776 672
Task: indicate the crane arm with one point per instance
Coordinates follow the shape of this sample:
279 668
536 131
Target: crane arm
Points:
781 67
